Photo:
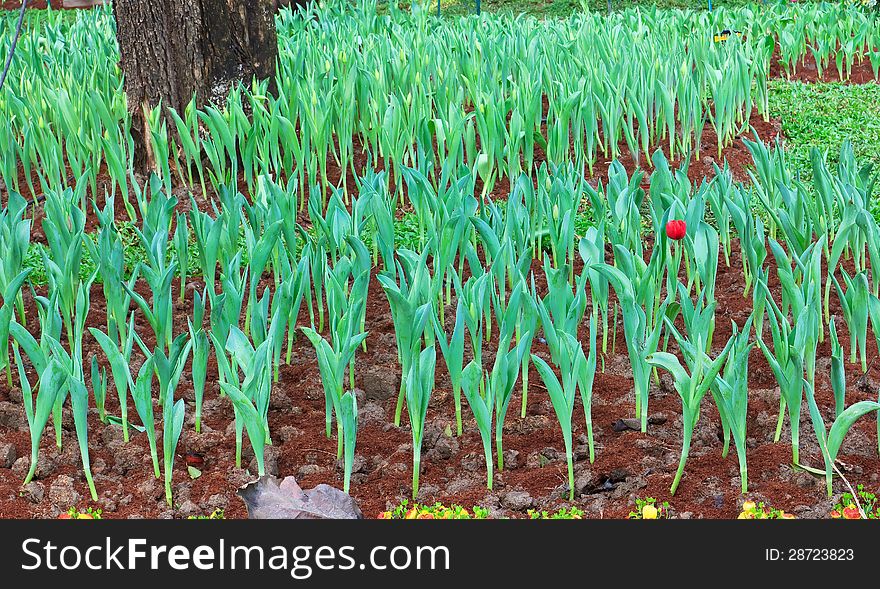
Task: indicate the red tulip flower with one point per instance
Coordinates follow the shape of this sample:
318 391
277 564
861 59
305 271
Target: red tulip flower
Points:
675 230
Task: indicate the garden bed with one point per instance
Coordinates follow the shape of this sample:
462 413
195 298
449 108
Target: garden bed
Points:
628 464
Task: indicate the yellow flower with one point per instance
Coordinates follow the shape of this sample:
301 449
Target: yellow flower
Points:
649 512
749 506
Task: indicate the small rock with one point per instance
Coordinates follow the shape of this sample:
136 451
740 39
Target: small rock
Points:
517 500
129 457
270 461
11 416
473 462
381 384
8 455
189 509
280 401
805 480
202 443
511 459
371 412
99 466
33 491
359 464
657 419
584 482
550 453
181 491
458 486
110 434
581 452
288 432
427 493
618 475
45 466
627 424
15 395
238 477
444 448
215 502
308 470
148 489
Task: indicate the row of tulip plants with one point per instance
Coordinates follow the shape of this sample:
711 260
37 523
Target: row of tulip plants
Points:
480 272
496 93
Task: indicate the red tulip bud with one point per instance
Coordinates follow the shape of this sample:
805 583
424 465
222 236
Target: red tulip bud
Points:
676 229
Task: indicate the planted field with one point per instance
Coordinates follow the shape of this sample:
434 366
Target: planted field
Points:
593 264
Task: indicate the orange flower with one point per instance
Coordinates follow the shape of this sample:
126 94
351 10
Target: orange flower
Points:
411 514
425 516
385 515
851 512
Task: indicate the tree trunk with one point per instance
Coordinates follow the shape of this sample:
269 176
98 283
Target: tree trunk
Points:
173 50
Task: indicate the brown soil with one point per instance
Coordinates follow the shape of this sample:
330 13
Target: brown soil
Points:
807 71
628 464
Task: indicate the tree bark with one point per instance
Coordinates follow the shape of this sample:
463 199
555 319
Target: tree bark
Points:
174 50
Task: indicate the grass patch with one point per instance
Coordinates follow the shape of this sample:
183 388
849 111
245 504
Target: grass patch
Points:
825 115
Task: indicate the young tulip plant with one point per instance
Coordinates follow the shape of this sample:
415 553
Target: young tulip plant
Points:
691 388
831 440
787 363
118 360
346 304
638 288
201 347
488 393
250 397
419 386
15 236
854 305
51 384
508 319
411 302
732 397
59 368
453 355
168 369
577 374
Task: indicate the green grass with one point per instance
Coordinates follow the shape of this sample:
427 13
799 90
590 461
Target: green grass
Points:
823 116
563 8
